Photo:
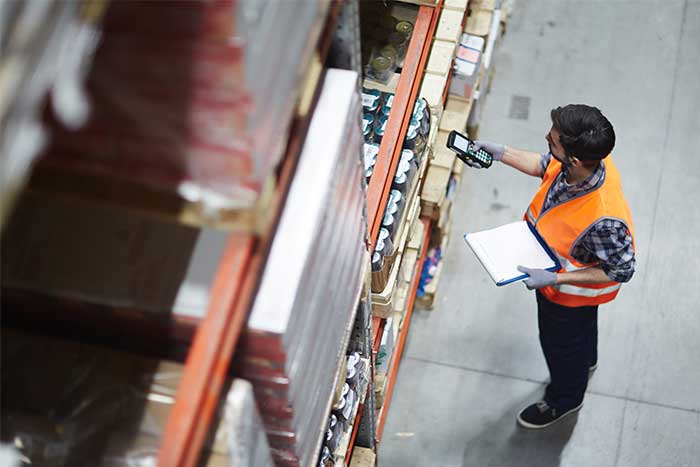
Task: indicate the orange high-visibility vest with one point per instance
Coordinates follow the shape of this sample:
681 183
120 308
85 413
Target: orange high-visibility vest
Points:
562 225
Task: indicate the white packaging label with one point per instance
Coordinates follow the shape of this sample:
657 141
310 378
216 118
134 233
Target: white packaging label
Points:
368 100
473 42
371 150
464 68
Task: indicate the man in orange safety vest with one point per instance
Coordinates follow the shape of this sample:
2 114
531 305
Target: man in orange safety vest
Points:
581 213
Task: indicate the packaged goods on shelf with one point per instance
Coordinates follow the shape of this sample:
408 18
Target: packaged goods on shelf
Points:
386 347
385 41
194 97
403 193
430 268
467 66
352 390
300 322
109 259
67 404
46 47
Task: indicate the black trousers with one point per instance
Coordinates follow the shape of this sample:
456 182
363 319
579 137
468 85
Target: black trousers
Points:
569 339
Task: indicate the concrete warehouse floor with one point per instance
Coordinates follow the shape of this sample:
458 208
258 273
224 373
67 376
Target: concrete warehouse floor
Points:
474 361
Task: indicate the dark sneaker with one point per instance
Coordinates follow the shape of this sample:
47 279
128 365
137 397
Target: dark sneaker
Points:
541 415
593 367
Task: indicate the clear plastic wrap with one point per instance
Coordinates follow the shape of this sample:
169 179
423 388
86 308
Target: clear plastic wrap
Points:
194 96
44 47
67 405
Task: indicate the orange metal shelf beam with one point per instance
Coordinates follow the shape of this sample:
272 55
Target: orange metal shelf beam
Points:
377 331
355 429
398 352
209 357
402 109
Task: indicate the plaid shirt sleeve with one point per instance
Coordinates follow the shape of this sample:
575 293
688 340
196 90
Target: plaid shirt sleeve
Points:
610 242
544 162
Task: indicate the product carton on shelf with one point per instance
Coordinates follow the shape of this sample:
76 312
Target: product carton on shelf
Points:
467 66
298 329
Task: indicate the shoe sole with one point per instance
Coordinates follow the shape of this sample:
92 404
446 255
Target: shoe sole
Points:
530 426
593 368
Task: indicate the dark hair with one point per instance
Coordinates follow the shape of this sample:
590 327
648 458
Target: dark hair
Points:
584 132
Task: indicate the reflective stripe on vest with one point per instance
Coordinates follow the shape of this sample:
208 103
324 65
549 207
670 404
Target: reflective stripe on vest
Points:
586 292
562 225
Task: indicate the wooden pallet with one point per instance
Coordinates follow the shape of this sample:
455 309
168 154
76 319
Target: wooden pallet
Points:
456 114
363 457
435 184
459 5
479 22
450 26
441 55
139 198
432 89
483 4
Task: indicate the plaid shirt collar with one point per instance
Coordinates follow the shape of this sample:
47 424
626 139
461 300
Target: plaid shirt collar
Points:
591 182
560 191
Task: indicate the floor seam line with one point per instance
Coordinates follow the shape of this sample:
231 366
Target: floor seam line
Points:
529 380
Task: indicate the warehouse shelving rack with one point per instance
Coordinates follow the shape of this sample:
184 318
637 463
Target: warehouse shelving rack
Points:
233 291
209 344
380 186
214 338
397 125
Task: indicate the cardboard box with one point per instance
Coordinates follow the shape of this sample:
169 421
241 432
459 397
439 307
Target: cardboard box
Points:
467 64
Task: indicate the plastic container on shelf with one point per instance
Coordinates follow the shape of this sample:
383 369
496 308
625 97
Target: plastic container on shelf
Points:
409 156
400 42
379 128
380 68
377 262
371 100
368 127
384 244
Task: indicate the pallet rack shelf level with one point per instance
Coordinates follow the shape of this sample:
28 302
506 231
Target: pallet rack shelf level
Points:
216 336
233 290
397 125
398 350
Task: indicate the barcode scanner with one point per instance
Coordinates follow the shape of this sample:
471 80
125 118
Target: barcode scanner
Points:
466 150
